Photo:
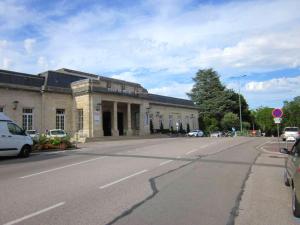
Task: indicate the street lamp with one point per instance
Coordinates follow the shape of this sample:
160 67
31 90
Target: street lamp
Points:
240 104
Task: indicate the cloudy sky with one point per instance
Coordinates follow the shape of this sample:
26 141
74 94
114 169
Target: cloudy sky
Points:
160 44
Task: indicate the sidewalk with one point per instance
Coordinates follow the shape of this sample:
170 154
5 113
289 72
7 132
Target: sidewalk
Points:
266 200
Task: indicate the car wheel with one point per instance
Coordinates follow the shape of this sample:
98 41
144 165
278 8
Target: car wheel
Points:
25 151
295 204
285 178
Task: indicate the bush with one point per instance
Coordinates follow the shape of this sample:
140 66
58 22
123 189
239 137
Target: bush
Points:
56 141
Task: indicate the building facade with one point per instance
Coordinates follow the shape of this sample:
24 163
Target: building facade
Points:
89 105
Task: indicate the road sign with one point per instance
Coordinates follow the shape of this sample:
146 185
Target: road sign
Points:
277 113
277 120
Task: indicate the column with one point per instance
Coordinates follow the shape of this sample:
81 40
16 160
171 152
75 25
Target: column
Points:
129 129
115 131
144 127
96 117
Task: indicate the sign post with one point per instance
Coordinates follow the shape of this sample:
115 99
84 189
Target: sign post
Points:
277 114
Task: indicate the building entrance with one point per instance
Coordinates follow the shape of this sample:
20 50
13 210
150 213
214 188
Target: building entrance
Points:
121 123
107 123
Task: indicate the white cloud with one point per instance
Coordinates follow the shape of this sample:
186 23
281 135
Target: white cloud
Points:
169 36
29 44
43 63
283 85
260 53
271 92
174 89
6 63
128 76
3 44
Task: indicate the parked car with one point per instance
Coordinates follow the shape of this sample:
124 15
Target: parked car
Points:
56 133
292 174
195 133
290 134
13 140
33 134
216 134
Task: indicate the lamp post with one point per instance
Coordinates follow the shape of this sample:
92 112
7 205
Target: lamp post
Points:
240 104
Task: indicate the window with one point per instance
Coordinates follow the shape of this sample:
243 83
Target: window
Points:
123 87
1 109
14 129
60 119
27 119
108 84
80 119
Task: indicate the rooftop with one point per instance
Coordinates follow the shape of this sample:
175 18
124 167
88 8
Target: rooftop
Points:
60 81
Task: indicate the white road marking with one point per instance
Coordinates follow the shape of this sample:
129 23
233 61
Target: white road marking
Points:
122 179
191 151
178 157
63 167
34 214
165 162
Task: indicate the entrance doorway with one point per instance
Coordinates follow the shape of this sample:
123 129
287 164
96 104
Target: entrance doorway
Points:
107 123
121 123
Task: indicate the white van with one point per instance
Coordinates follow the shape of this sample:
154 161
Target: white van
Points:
13 139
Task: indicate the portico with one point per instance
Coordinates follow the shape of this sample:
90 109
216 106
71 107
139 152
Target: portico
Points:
90 106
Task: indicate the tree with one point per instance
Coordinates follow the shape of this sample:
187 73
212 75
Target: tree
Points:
235 108
188 128
209 94
291 112
230 120
264 120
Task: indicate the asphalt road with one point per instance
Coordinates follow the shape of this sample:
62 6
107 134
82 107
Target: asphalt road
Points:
147 181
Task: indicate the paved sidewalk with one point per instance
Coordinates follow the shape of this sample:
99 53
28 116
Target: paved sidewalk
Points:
266 200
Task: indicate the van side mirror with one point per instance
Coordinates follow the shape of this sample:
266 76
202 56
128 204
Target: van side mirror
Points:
284 151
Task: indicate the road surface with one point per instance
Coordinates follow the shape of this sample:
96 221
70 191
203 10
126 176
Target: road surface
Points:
147 181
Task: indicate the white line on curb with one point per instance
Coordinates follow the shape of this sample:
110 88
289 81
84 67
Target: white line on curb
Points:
62 167
34 214
122 179
165 162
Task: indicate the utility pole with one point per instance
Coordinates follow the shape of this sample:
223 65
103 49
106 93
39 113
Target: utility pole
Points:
240 104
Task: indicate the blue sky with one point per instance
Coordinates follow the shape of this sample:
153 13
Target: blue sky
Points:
160 44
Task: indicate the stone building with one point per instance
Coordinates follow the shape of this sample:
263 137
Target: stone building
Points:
89 105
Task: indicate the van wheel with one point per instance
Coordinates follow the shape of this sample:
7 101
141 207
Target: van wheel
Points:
286 180
295 204
25 151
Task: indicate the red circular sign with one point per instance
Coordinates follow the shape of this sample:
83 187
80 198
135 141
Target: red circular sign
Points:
277 113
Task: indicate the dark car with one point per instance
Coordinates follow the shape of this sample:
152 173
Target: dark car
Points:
292 175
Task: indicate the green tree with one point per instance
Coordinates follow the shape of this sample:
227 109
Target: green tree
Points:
234 107
230 120
264 120
291 110
211 124
209 94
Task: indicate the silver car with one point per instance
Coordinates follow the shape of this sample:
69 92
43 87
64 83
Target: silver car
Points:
195 133
290 134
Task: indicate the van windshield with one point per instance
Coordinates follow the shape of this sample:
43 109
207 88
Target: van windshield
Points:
295 129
